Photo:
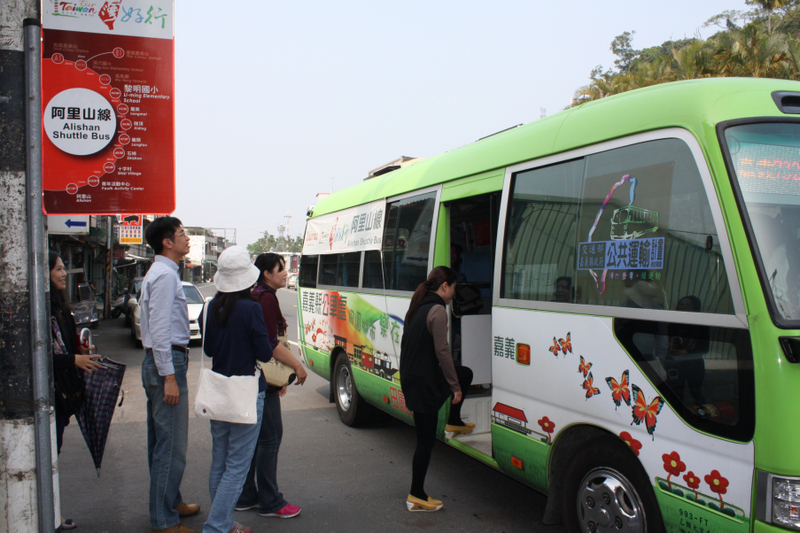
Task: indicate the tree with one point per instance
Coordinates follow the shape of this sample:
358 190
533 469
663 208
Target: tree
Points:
622 48
268 243
769 6
755 49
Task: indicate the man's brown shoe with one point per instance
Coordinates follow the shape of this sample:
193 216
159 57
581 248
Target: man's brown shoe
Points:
187 509
180 528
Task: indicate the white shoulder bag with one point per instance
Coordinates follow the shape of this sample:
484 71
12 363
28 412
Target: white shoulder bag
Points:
226 399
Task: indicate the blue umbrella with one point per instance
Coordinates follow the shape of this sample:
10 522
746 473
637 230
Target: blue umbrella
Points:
102 388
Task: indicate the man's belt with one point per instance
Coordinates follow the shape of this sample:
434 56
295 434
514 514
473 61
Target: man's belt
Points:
175 348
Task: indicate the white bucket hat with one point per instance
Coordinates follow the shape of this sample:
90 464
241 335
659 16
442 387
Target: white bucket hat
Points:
235 271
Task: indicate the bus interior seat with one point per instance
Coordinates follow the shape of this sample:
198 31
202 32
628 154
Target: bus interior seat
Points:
477 268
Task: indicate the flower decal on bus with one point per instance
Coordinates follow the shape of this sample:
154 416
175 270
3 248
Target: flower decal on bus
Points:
673 464
693 481
717 484
634 444
547 426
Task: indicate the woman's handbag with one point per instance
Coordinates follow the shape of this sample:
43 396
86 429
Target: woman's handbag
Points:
276 373
226 399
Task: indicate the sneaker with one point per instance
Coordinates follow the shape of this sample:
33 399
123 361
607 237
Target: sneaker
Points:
246 506
416 505
239 528
287 511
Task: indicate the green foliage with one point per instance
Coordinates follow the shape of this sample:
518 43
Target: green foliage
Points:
622 48
271 243
765 45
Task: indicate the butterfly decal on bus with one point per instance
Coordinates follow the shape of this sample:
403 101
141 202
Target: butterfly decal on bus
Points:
588 386
619 389
561 345
644 411
584 367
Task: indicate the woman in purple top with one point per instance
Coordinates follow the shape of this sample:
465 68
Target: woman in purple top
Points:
261 488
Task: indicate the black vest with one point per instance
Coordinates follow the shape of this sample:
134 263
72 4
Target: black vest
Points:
421 377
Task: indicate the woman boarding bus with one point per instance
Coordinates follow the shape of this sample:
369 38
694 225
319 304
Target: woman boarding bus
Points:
628 301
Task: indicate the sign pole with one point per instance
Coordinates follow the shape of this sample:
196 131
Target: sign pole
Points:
38 281
109 255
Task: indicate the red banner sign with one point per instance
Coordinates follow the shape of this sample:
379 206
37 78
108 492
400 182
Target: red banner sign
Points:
109 109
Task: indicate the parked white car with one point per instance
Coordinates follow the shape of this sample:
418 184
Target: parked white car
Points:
194 301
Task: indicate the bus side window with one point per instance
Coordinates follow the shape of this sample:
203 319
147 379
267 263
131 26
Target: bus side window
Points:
704 372
308 271
644 223
373 273
541 234
340 270
406 241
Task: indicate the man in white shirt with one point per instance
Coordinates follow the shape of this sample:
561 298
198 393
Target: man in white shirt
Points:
165 336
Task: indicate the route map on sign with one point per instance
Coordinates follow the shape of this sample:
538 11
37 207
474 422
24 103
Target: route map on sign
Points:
108 108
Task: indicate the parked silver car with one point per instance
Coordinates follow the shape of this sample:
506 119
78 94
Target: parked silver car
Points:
195 302
85 308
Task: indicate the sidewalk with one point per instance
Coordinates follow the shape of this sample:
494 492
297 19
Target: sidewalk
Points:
118 500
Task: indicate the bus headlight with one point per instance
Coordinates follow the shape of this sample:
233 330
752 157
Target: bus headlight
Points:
778 500
786 502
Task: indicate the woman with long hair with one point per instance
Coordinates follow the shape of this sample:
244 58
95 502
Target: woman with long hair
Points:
261 488
68 356
235 337
429 376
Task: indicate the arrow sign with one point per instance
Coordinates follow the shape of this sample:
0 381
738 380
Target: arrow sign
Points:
68 224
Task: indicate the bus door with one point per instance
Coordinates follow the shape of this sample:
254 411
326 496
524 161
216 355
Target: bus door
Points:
472 230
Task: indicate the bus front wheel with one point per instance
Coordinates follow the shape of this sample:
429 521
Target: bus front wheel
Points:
606 489
353 410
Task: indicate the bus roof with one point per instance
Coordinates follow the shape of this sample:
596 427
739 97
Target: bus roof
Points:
695 105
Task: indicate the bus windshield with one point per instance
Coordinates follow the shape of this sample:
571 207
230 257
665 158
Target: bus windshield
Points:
766 162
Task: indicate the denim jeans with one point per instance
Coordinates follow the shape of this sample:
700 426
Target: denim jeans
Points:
232 449
167 436
262 484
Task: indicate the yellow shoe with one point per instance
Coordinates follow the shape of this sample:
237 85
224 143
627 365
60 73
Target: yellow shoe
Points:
460 430
415 505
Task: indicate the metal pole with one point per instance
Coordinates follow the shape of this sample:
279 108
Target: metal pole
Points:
39 287
109 256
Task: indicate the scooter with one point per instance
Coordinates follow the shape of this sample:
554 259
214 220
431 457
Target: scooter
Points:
120 306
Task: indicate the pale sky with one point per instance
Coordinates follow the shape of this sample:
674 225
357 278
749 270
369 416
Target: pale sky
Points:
277 101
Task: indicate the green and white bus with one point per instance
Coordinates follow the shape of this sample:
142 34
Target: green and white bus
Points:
629 303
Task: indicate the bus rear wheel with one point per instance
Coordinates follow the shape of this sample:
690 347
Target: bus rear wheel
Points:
353 410
606 489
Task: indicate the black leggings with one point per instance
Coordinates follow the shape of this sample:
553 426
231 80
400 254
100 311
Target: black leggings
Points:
425 424
464 375
426 437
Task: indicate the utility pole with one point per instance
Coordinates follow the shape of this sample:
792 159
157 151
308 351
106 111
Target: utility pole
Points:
27 499
288 235
280 245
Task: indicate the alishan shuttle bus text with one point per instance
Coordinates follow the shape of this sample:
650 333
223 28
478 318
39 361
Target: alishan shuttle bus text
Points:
628 301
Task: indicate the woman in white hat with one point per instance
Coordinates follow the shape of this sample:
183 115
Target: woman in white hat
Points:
235 337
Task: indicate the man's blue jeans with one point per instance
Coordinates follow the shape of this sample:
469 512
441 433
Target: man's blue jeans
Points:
264 467
232 449
167 436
